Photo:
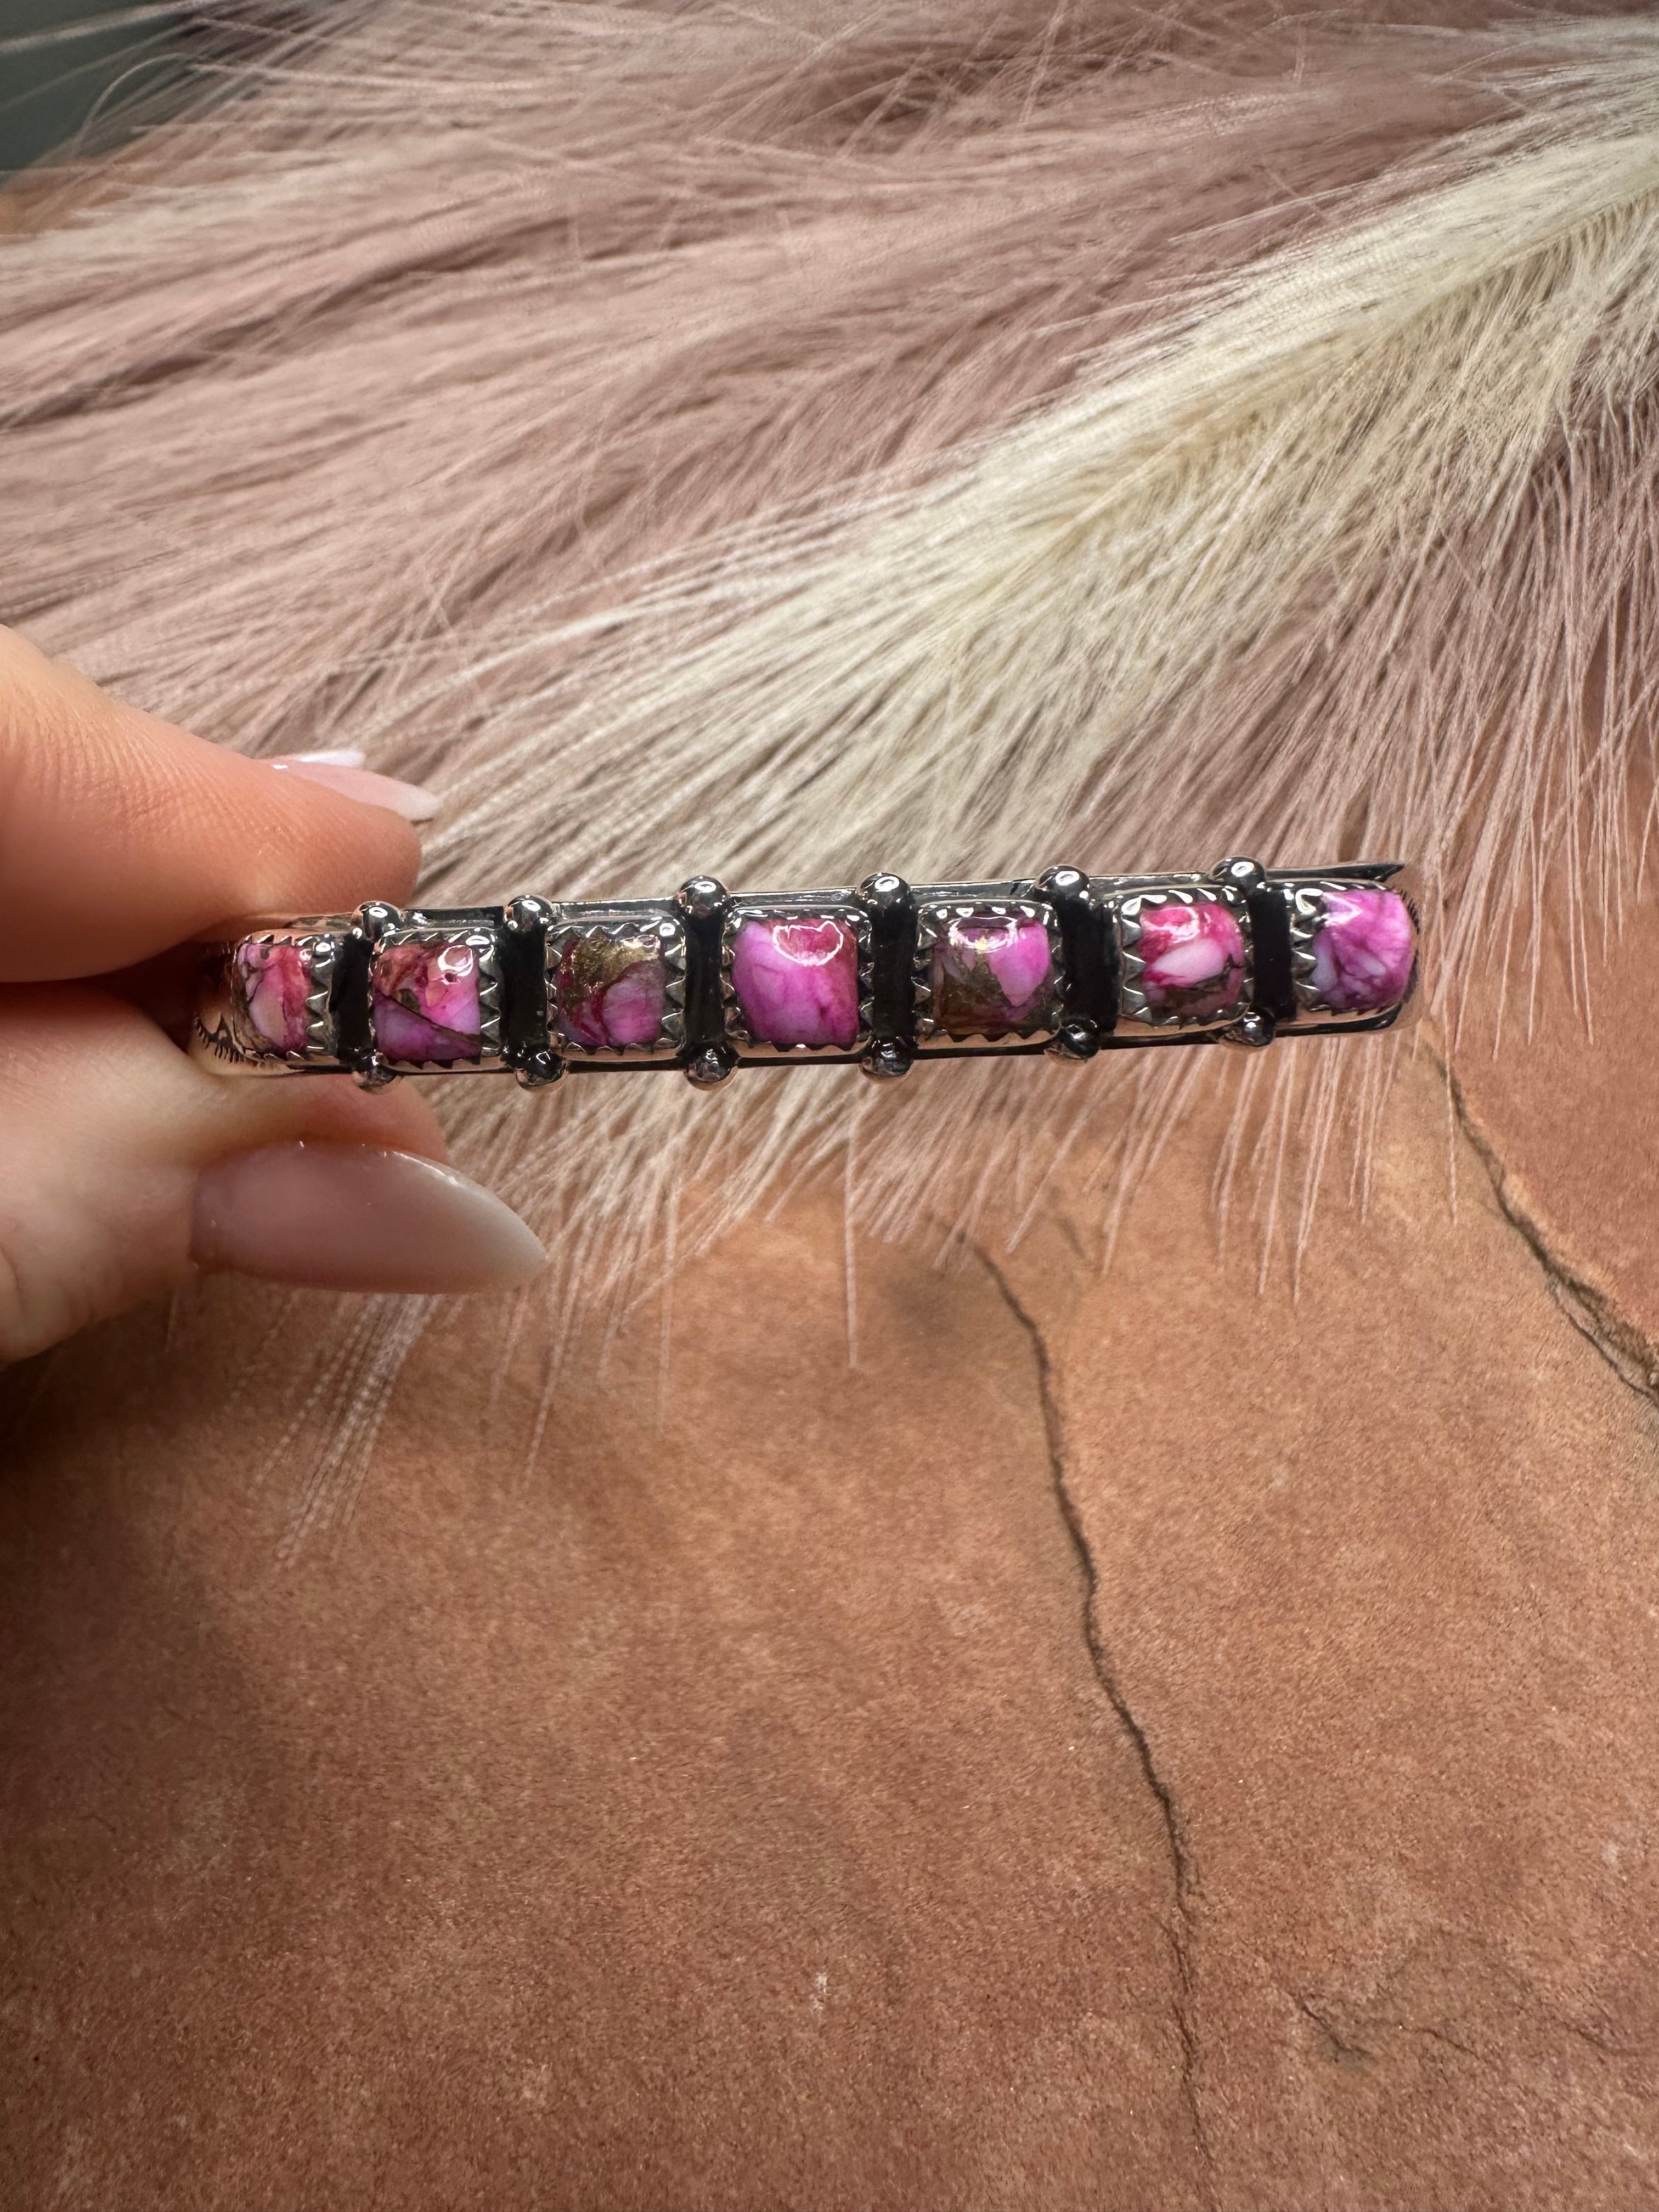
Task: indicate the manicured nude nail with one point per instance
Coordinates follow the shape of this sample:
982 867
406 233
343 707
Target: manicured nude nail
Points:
331 756
351 1218
335 773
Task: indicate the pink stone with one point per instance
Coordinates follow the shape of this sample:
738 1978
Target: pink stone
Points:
609 993
426 1002
274 980
991 973
1194 958
635 1004
1364 950
797 982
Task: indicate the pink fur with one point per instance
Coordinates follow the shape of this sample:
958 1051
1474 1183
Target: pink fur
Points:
482 363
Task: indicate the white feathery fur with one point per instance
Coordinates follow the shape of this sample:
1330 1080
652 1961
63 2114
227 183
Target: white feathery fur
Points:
1319 567
346 394
1338 538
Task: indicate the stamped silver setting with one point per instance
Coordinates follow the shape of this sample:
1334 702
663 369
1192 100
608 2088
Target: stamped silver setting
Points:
1127 907
933 920
415 928
320 951
222 1031
1307 909
837 906
659 934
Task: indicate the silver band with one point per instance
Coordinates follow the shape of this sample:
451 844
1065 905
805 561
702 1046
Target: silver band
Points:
884 976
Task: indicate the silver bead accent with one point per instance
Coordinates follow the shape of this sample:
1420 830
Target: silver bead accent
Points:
882 893
1064 882
887 1060
1254 1028
711 1067
540 1071
1077 1039
1246 875
524 915
375 917
703 898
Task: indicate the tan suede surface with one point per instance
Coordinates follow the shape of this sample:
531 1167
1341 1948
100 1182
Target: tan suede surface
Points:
1137 1740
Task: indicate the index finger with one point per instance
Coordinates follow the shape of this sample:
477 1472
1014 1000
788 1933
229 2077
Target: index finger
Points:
121 835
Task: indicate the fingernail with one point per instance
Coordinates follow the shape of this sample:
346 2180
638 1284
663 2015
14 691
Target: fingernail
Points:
330 757
351 1218
408 799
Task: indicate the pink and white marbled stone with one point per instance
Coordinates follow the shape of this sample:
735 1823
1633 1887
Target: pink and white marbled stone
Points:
274 982
797 982
425 999
1364 950
991 973
1194 958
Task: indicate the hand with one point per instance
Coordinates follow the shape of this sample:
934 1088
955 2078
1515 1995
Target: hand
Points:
123 1167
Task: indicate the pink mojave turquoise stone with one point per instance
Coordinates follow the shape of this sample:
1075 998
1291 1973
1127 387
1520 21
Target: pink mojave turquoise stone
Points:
1364 950
796 980
274 982
609 993
991 973
1194 958
425 1000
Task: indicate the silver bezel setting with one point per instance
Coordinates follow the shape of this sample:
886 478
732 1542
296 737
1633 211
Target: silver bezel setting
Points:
481 939
1309 915
662 935
835 907
1127 910
933 916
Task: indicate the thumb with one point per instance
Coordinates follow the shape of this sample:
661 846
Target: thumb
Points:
127 1169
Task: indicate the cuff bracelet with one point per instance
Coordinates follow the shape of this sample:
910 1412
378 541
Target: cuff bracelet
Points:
884 975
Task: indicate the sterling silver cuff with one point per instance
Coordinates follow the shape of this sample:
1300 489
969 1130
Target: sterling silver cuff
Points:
884 976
